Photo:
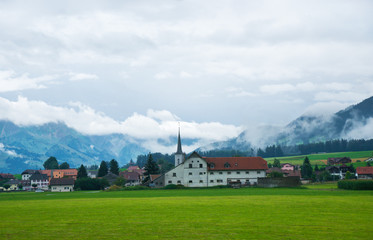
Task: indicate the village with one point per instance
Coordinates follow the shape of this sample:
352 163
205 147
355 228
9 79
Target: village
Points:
191 171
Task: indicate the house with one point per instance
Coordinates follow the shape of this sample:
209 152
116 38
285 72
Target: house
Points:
110 177
27 174
198 171
41 180
369 160
132 178
364 172
61 173
339 171
62 184
6 176
92 173
287 167
333 161
286 173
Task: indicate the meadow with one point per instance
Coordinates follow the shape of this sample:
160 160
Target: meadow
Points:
314 212
321 158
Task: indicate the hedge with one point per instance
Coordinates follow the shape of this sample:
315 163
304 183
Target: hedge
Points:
356 184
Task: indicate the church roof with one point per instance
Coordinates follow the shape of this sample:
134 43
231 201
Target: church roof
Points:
236 163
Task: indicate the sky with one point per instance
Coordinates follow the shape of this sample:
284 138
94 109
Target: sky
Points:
217 67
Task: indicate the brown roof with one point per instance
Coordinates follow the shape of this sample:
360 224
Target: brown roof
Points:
152 177
364 170
61 181
236 163
130 175
6 175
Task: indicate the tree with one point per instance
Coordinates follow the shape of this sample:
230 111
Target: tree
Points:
306 169
90 184
51 163
20 186
275 174
34 186
277 163
6 186
114 168
151 167
82 172
103 170
317 168
64 165
348 175
120 181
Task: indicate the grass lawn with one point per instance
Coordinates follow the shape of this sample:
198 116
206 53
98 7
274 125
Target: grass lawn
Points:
247 213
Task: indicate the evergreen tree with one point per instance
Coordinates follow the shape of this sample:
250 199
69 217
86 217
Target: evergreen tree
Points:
317 168
277 163
114 168
51 163
82 172
306 169
151 167
103 170
64 165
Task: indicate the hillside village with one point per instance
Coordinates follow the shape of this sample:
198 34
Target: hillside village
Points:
191 171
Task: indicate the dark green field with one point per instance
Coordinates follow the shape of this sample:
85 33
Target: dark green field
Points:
317 212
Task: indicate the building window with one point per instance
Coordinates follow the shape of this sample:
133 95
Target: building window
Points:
179 182
238 172
229 172
190 173
212 165
174 174
227 165
201 181
211 173
201 173
211 181
220 173
190 165
169 181
219 181
258 172
190 181
247 172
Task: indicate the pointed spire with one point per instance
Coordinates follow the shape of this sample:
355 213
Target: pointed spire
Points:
179 151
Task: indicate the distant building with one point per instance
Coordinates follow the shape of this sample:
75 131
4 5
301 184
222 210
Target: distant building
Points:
6 176
132 178
364 172
61 173
92 173
27 174
343 160
287 167
339 171
41 180
62 184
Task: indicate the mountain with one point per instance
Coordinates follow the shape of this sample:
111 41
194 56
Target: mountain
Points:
354 122
23 147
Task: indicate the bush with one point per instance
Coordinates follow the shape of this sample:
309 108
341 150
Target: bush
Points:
356 184
174 186
115 188
133 188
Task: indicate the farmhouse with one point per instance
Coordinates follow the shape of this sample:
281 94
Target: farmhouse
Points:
27 174
333 161
61 173
62 184
41 180
364 172
197 171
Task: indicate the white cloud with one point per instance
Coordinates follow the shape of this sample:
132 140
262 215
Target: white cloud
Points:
155 125
11 81
9 152
82 76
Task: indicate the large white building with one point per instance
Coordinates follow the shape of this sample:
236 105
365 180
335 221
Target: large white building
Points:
197 171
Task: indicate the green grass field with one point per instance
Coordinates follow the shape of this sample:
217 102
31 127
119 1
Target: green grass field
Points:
312 212
321 158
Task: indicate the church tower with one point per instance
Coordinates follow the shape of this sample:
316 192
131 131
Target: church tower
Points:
179 155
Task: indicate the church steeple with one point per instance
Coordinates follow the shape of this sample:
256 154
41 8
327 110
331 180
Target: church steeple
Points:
179 155
179 151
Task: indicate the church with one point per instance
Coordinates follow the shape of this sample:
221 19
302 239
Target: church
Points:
198 171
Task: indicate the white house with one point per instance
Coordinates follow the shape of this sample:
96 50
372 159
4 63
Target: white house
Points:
41 180
62 184
197 171
27 174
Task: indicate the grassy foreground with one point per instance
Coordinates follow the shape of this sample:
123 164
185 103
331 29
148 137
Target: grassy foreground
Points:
320 212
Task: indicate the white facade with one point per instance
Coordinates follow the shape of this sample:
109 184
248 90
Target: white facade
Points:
194 172
26 176
62 188
41 184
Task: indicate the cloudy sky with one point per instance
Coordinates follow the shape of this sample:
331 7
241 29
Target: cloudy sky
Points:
139 67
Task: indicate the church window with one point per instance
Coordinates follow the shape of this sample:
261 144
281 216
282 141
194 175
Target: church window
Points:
201 165
169 181
174 174
190 173
190 165
227 165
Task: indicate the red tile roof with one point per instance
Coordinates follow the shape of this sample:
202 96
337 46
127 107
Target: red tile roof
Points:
236 163
364 170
